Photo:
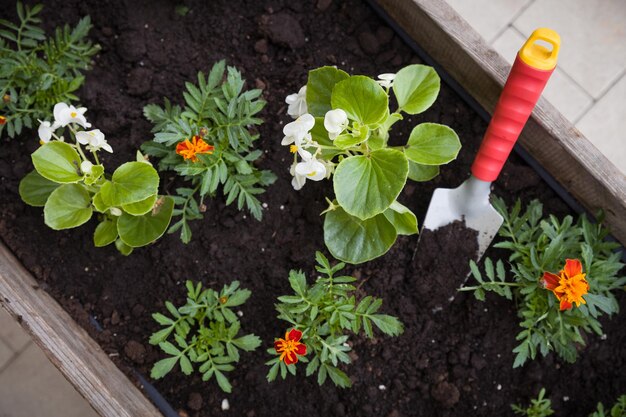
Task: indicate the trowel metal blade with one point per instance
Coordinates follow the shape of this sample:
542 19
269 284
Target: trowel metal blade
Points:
462 203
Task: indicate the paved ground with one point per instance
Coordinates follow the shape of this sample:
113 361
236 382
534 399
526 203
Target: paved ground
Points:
589 88
589 84
30 386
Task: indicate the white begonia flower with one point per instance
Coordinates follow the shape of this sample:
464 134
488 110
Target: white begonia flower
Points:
335 121
86 167
94 139
297 103
45 131
297 131
311 169
386 80
64 115
298 180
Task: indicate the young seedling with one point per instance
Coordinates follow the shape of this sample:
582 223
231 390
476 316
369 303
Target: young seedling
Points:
71 186
618 409
205 332
562 275
342 129
36 71
540 407
319 319
209 142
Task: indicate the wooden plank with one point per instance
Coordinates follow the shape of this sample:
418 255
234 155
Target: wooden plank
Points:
550 138
79 358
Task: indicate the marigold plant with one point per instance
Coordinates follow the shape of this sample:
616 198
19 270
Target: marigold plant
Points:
320 318
205 332
556 309
209 142
37 71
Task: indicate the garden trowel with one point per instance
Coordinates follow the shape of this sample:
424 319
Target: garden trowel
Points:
533 65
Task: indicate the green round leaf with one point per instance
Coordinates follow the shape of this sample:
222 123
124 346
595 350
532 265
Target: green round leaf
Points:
130 183
353 240
366 185
99 204
319 88
141 207
58 161
35 189
421 173
136 231
363 99
123 248
106 232
416 88
68 206
432 144
402 219
94 175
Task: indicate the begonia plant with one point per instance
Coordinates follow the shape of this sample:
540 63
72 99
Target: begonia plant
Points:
70 183
319 320
342 130
561 274
36 71
209 143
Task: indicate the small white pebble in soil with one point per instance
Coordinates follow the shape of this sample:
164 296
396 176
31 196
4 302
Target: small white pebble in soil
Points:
558 366
498 355
262 249
141 63
162 40
244 216
382 387
499 387
114 334
86 269
432 341
264 205
146 26
475 407
486 310
282 207
225 405
177 282
240 313
603 337
484 403
343 62
565 398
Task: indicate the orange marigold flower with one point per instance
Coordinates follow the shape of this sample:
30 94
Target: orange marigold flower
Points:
569 286
3 120
290 347
189 149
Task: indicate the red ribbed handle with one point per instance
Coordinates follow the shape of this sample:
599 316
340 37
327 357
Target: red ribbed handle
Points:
516 103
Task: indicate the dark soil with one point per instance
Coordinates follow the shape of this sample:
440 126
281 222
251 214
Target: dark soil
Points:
453 363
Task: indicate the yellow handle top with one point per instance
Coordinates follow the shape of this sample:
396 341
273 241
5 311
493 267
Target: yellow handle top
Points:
538 56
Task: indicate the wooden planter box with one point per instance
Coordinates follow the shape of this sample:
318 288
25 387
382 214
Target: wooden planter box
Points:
548 137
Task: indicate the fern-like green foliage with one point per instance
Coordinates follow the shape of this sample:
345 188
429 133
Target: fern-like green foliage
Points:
326 312
36 72
540 407
219 110
618 409
539 245
205 331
